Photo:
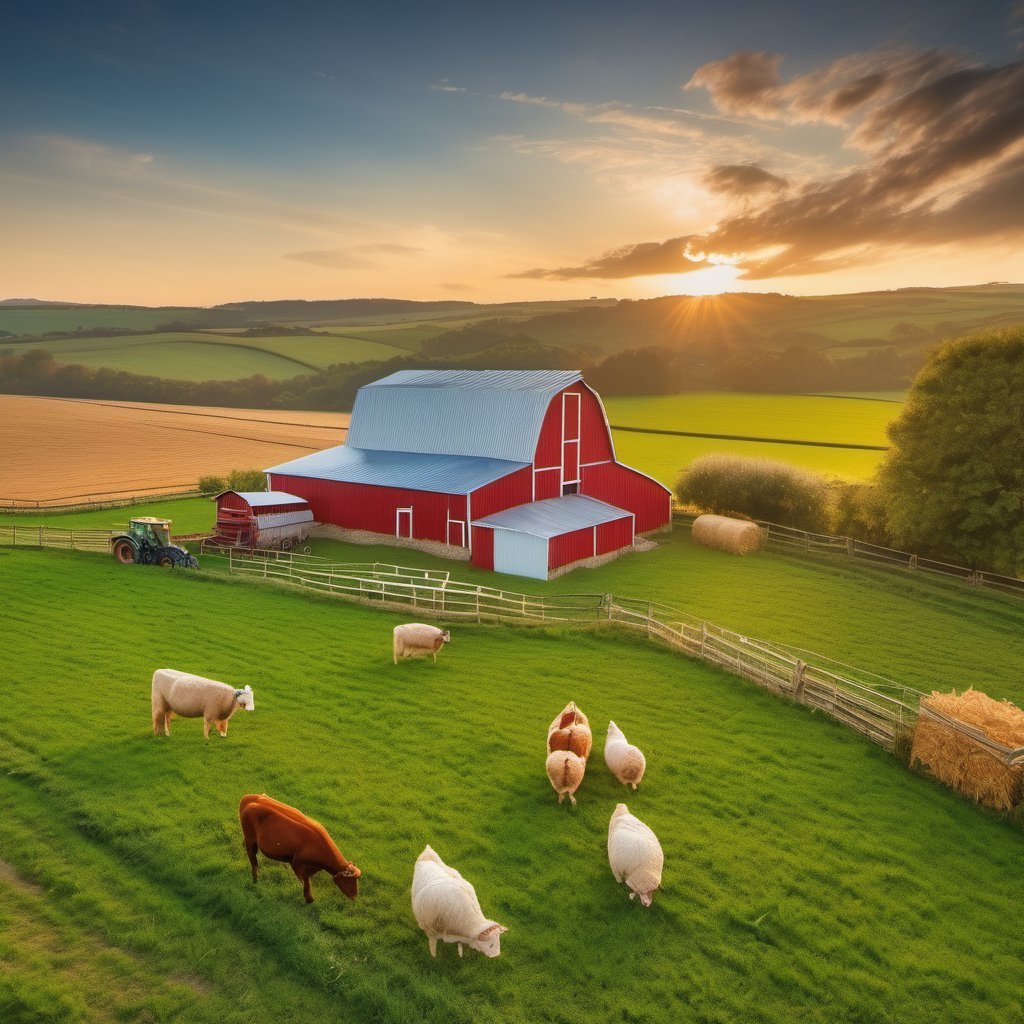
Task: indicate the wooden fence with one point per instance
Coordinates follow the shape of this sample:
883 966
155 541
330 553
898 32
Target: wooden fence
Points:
55 537
880 709
805 542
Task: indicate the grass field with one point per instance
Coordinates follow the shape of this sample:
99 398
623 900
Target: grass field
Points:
818 418
200 356
808 876
61 448
41 320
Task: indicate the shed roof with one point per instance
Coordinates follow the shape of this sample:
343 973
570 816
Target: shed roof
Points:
444 474
259 499
554 516
494 414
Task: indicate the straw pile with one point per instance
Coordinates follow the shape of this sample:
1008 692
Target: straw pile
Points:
963 761
736 536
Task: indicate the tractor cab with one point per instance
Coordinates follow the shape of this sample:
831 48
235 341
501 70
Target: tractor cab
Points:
152 531
148 542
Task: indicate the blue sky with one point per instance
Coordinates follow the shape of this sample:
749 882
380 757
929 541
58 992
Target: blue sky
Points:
157 152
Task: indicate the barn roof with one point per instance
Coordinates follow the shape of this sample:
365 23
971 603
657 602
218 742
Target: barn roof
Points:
447 474
554 516
259 499
495 414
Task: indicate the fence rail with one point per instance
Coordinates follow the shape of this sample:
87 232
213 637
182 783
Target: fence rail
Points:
55 537
99 499
882 710
803 541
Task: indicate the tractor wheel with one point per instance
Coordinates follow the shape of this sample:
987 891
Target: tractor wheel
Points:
124 552
307 550
166 562
286 544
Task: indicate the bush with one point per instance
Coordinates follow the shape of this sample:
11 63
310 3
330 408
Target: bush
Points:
757 488
858 510
212 484
236 480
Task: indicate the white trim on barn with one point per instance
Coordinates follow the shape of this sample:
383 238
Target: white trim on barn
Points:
398 523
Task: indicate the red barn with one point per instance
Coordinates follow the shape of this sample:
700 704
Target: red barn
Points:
261 519
513 468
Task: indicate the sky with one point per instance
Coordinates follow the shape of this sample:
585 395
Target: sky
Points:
196 153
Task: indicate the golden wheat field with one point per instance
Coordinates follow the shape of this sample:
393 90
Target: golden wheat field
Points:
54 448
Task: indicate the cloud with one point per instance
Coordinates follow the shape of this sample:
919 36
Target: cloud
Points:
742 179
326 76
941 144
352 257
627 261
445 86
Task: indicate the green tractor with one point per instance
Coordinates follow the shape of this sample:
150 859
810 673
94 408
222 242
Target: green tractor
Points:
148 542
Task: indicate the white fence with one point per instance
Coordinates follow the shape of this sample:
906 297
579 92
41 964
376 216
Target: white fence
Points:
55 537
880 709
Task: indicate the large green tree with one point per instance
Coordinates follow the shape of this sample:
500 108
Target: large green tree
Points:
953 482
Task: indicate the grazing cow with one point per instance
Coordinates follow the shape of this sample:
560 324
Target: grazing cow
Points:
283 833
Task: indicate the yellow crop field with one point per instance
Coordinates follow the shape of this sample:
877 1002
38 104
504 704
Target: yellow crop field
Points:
57 448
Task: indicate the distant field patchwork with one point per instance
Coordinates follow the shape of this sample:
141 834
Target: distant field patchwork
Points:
56 448
197 356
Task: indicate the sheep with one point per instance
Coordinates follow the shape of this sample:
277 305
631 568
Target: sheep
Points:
627 763
634 854
445 907
179 693
416 638
565 771
571 731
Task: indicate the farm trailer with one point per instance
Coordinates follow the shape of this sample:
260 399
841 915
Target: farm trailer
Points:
261 519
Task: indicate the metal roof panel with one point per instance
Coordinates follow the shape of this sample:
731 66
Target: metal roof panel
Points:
493 414
554 516
444 474
259 499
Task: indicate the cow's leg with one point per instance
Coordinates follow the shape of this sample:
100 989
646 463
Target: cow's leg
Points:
251 850
206 728
460 949
432 939
303 873
167 723
222 728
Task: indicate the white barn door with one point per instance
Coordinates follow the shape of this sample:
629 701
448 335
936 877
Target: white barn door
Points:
519 554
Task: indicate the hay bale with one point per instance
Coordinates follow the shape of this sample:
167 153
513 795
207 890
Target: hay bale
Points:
964 761
736 536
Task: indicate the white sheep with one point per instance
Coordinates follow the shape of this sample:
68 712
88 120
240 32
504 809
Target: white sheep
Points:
415 638
627 763
634 854
565 772
445 907
179 693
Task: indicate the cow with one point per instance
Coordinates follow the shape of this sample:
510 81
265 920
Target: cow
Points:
284 833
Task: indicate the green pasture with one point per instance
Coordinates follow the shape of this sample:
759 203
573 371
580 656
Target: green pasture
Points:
816 418
36 321
187 515
663 456
198 356
808 875
789 417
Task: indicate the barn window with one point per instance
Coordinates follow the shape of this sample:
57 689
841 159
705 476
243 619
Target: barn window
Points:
570 488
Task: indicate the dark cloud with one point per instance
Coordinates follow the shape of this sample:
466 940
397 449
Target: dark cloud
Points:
943 145
742 179
628 261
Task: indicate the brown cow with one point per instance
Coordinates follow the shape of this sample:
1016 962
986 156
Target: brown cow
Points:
283 833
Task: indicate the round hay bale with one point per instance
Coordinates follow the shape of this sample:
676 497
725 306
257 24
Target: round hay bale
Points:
735 536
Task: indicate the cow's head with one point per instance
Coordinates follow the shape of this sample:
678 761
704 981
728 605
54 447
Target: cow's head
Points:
446 637
347 880
489 940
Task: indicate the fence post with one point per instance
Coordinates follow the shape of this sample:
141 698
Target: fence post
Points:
14 535
850 549
478 604
798 680
703 638
650 615
913 562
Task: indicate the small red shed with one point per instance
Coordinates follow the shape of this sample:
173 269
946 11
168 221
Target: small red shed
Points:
261 519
